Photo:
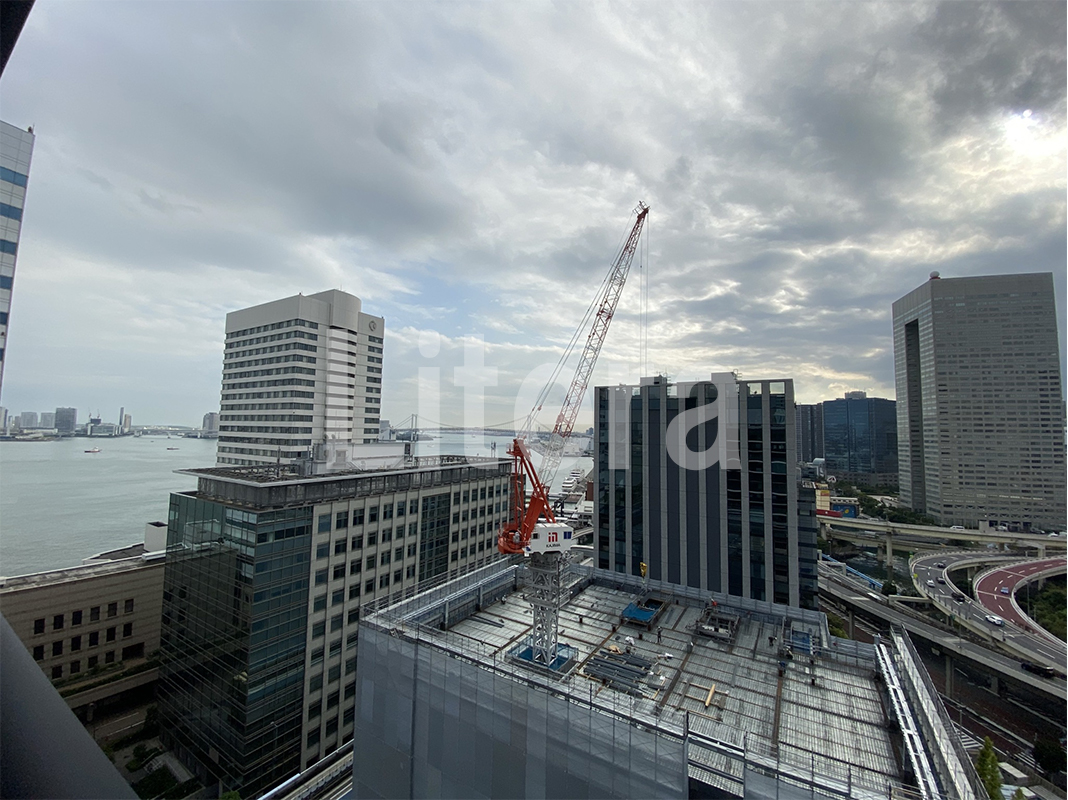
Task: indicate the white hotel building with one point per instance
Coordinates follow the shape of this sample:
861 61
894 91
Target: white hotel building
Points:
297 372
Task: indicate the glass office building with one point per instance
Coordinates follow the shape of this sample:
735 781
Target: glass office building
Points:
265 576
735 525
860 439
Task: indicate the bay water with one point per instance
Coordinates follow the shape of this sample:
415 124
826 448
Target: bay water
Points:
59 504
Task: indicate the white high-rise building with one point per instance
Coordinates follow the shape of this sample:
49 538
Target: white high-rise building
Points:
297 372
16 147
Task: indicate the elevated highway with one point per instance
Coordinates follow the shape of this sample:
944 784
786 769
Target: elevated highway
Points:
887 536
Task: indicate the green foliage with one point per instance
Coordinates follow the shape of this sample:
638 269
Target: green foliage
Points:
155 784
836 625
986 764
1018 794
1049 755
873 508
1050 607
181 790
889 588
230 795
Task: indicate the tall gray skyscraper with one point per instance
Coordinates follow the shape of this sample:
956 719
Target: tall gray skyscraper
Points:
66 420
737 525
809 425
980 412
16 147
297 372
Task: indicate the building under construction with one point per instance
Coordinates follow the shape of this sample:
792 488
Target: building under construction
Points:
659 690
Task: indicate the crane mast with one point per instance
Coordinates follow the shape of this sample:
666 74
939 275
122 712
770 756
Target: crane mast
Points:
547 543
565 420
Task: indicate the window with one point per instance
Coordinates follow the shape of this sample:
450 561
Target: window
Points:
455 556
351 640
357 542
387 511
315 709
383 582
336 622
334 674
321 576
109 657
372 514
319 629
413 506
57 622
75 667
397 576
350 691
357 517
317 655
76 617
350 665
349 715
39 625
341 519
93 661
372 538
411 550
409 571
398 554
57 672
322 550
316 683
456 497
127 607
113 609
75 643
338 597
339 571
110 635
387 535
331 726
324 523
370 562
355 566
354 616
354 591
127 629
38 652
320 603
57 648
400 508
335 647
385 558
94 638
333 699
313 738
413 528
94 614
369 587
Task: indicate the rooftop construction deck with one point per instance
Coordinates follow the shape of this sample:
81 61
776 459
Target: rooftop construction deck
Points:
686 688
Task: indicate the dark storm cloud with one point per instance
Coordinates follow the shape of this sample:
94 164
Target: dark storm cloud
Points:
473 168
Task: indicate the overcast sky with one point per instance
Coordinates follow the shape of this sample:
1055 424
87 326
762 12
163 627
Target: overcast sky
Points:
470 171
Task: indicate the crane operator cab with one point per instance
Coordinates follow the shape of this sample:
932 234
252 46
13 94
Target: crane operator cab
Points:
550 538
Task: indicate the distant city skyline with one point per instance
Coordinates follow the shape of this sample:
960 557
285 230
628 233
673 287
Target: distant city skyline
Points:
468 171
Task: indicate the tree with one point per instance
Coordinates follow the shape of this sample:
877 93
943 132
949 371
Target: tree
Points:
986 764
1018 794
1049 755
889 588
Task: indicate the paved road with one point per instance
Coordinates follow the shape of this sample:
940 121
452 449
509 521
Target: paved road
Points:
995 590
931 574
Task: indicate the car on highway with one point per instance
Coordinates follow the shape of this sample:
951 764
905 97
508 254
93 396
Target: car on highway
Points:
994 620
1004 590
941 581
1039 669
940 565
957 528
959 598
931 584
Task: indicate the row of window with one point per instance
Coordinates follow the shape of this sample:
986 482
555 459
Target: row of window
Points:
92 640
274 326
11 212
75 666
76 617
8 247
11 176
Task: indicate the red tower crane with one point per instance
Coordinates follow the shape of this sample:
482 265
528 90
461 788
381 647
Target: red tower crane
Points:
547 543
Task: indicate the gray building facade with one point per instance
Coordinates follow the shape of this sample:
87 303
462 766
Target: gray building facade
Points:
731 526
809 426
266 572
16 149
980 401
860 439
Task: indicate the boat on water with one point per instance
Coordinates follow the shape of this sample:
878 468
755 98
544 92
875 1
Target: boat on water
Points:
172 448
94 450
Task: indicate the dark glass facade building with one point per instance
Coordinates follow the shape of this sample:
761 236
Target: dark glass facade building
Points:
265 576
809 425
860 439
733 525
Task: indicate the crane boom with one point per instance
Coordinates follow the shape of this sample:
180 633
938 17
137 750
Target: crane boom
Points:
565 420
